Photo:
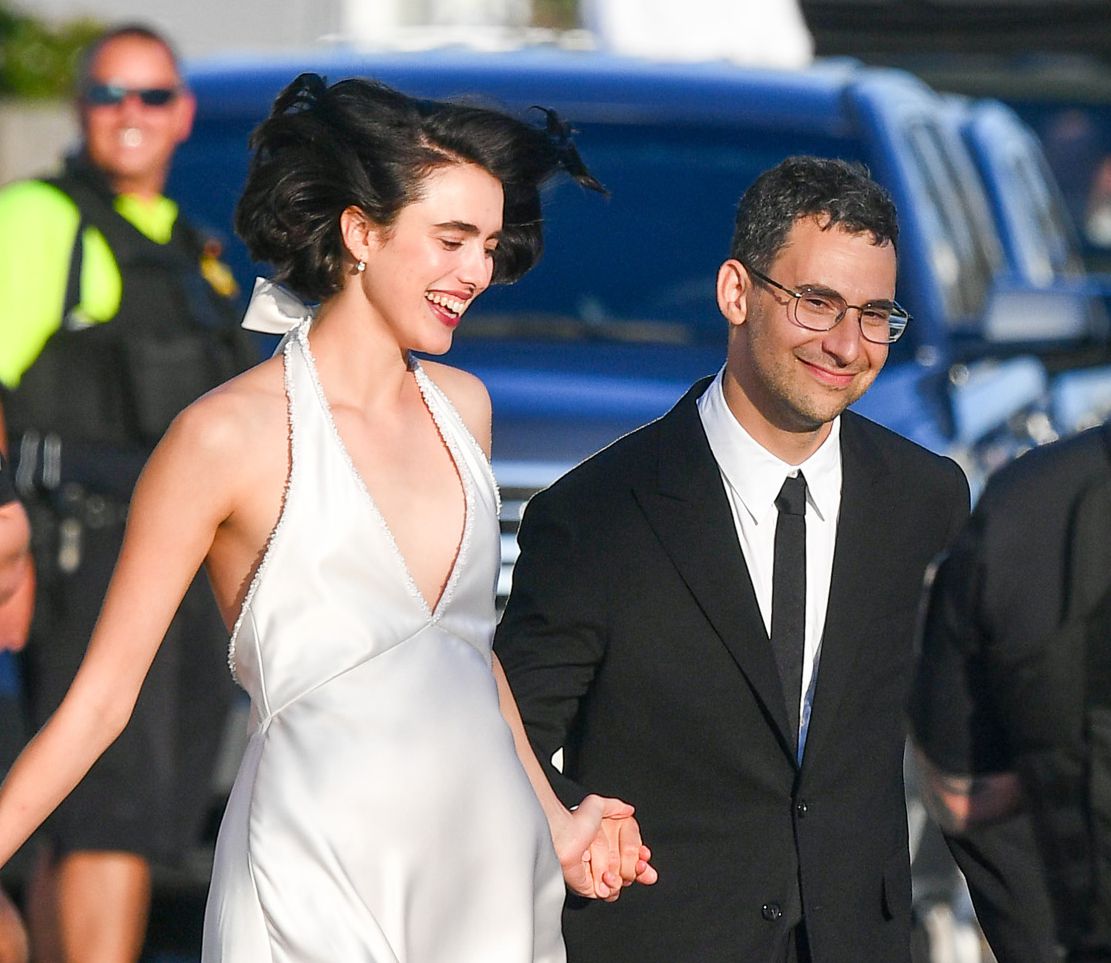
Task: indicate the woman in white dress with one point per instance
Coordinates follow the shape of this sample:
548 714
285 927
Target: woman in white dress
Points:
388 807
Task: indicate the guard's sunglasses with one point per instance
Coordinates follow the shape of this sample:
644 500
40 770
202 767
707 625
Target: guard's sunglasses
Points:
112 95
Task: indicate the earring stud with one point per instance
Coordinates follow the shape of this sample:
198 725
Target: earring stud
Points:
360 267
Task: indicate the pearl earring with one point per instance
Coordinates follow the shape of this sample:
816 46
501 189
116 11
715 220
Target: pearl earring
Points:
360 267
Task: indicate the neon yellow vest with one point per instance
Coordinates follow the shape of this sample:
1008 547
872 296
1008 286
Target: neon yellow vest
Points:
38 224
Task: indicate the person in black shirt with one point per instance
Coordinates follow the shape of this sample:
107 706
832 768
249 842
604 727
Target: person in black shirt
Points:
1012 699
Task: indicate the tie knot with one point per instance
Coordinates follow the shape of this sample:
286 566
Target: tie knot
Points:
791 499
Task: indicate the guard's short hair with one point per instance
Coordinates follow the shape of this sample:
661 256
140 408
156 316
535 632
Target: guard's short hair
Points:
140 30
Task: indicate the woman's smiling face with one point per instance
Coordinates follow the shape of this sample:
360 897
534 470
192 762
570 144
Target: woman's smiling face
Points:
423 273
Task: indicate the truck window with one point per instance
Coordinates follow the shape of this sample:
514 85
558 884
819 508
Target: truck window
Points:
967 252
641 264
1058 248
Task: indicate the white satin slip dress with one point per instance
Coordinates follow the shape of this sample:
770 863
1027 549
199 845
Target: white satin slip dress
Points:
380 813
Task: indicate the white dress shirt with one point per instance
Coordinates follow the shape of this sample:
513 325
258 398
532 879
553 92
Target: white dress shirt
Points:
752 476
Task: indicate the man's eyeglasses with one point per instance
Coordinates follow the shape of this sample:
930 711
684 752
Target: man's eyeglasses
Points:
881 322
112 95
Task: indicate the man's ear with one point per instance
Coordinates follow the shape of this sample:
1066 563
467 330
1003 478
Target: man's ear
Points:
186 109
733 290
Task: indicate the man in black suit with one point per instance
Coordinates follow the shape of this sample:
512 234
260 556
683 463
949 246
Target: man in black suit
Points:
713 617
1011 707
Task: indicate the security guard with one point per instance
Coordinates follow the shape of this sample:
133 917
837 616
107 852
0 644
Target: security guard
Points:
116 314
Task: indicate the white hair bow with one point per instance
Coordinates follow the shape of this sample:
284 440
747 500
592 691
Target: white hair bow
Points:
273 310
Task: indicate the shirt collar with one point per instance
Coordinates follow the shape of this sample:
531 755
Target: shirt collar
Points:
754 473
155 217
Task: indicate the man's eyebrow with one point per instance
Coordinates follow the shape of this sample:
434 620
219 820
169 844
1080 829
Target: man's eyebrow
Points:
823 289
818 289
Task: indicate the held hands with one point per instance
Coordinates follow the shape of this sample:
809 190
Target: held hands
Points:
600 849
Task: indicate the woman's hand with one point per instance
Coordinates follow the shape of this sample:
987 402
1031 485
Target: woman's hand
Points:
598 844
600 849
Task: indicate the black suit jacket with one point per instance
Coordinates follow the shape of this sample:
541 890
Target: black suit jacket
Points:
633 639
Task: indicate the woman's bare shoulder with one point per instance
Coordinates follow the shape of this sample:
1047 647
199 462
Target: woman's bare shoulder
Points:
468 394
233 418
228 444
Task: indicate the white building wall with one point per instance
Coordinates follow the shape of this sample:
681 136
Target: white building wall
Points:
200 27
766 33
33 136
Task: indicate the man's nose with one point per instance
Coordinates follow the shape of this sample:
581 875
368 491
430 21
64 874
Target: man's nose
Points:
843 340
131 103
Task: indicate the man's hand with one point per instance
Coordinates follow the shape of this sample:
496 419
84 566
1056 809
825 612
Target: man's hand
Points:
958 802
600 849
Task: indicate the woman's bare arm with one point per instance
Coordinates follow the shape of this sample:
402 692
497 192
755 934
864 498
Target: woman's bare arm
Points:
598 845
184 493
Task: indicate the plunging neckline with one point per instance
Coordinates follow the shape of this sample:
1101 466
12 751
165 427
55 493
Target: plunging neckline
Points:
432 611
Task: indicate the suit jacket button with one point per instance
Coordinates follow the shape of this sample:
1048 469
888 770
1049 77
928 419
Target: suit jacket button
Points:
801 808
771 912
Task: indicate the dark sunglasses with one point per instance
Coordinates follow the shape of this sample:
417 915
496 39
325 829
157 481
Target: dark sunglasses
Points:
112 95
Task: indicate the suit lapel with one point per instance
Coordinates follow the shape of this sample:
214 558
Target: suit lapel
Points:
687 508
852 581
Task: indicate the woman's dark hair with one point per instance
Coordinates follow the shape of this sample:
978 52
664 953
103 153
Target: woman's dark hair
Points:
360 143
836 191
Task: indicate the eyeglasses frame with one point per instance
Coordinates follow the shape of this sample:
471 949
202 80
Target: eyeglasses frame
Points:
897 309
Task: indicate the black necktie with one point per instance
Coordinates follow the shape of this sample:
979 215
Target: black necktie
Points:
789 594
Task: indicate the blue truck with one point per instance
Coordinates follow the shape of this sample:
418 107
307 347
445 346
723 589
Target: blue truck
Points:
619 317
1043 266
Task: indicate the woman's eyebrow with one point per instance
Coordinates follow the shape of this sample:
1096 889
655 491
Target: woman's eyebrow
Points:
458 226
465 228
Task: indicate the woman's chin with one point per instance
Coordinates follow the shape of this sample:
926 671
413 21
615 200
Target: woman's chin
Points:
435 346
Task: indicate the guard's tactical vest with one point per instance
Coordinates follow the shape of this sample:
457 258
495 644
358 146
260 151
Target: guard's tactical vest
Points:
100 395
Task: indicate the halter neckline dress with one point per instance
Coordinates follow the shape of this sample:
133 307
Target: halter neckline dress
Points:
380 813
